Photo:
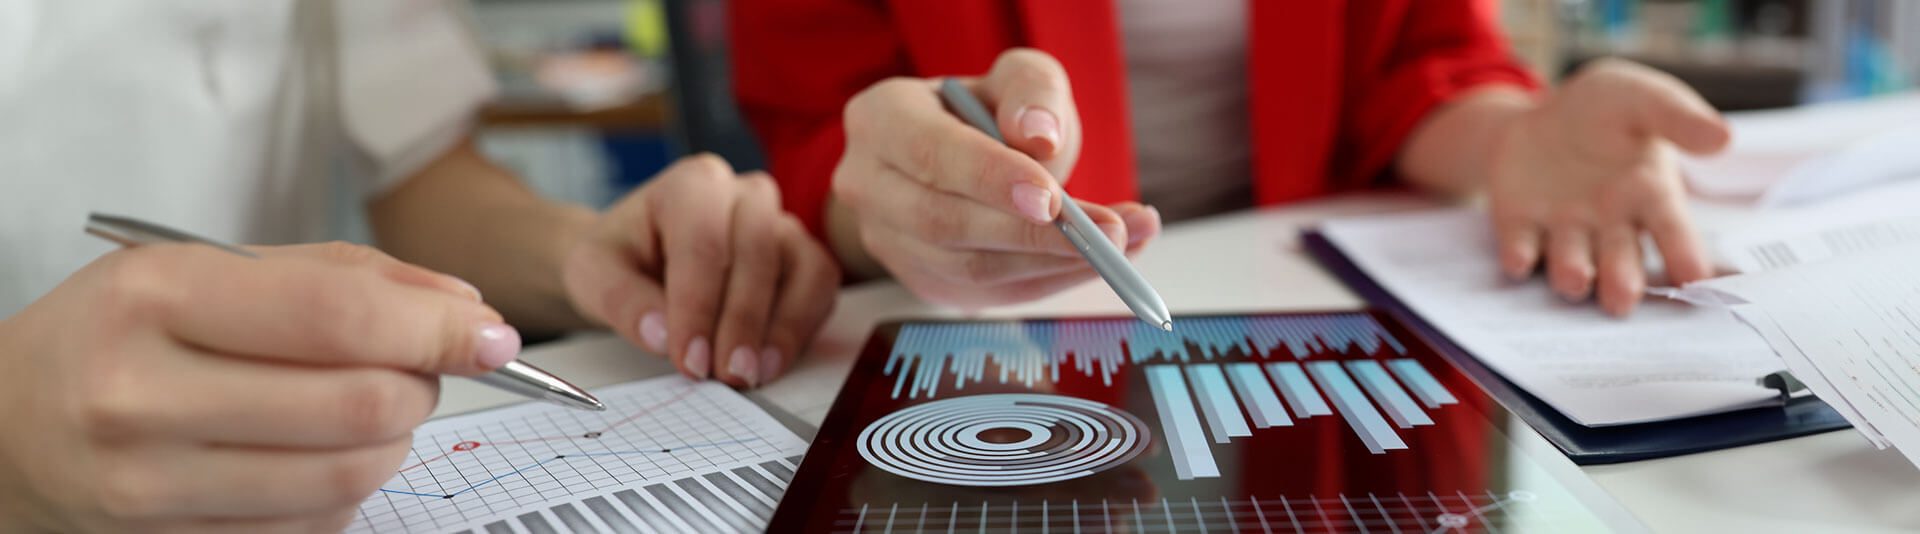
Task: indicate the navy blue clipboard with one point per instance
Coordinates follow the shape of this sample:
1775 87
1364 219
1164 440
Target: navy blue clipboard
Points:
1582 444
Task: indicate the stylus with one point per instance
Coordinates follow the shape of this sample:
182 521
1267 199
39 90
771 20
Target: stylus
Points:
514 377
1106 258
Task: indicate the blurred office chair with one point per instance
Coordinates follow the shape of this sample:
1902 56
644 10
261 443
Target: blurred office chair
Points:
704 116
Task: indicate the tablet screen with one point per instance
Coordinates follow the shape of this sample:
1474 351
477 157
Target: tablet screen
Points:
1293 422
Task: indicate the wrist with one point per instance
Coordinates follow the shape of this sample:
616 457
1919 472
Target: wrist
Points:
843 238
574 227
1457 147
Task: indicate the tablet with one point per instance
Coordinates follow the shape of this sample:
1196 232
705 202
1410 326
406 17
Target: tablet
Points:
1269 422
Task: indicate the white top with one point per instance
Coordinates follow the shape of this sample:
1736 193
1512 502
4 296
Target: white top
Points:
1187 82
224 118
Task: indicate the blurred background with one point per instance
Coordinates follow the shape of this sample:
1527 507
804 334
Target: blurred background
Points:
600 94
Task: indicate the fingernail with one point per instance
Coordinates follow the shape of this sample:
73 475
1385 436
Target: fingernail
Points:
1140 219
770 363
472 292
495 344
744 365
1034 202
699 356
1113 230
653 331
1040 124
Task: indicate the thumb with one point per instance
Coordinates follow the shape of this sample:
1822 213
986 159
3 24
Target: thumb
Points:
1668 109
605 286
1033 104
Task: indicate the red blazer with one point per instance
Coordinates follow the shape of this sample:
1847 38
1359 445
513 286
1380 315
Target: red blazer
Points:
1336 85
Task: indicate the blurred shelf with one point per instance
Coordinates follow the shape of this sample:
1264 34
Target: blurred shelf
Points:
643 115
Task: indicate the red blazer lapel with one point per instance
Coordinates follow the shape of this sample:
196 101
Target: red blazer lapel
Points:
1294 88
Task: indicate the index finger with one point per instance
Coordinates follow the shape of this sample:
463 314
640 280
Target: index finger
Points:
693 204
300 310
906 127
1680 249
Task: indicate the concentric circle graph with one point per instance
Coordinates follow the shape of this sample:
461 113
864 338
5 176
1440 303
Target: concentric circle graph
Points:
1010 439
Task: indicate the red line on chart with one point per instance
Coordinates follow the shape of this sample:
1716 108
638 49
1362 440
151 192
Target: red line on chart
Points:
466 446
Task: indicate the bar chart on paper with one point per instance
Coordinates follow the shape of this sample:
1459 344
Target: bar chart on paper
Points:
668 456
1213 380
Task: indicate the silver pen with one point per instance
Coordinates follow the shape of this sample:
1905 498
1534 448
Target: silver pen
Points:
514 377
1106 259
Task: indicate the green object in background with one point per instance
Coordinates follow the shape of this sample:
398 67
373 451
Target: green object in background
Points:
1713 21
647 28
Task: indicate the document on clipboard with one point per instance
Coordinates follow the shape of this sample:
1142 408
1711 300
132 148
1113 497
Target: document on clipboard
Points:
1670 360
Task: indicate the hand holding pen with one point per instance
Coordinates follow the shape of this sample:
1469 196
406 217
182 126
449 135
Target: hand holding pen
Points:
182 386
973 220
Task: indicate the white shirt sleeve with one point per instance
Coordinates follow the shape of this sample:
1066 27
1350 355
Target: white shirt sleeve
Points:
411 76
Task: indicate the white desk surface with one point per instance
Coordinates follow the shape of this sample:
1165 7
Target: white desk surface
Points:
1833 482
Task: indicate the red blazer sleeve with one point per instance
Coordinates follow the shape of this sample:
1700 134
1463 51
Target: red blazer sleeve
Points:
1405 59
795 65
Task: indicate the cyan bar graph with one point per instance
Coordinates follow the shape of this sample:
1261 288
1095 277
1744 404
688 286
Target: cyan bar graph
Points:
1366 422
1394 400
1185 440
1216 379
1360 390
1298 390
933 358
1421 382
1216 402
1257 395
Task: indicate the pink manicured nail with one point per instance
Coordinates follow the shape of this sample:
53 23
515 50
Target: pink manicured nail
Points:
653 331
495 344
743 364
770 363
699 357
1033 202
1037 123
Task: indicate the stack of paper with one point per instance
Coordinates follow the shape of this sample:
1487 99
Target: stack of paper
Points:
1670 360
1849 327
1806 154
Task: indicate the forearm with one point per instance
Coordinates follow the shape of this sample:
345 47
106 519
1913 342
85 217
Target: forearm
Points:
465 216
1451 151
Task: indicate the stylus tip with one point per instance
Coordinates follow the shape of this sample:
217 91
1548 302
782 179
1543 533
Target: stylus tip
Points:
1166 325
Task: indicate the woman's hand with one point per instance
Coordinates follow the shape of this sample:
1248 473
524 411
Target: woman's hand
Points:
1580 178
956 216
181 388
702 265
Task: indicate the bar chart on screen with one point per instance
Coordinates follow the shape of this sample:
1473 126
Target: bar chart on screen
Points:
1212 380
668 456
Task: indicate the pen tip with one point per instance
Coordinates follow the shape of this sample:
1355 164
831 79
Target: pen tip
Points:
1166 325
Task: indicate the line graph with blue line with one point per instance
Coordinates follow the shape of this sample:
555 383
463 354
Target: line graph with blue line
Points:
555 458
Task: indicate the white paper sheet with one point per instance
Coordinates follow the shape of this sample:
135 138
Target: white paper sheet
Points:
1850 328
1870 220
1807 154
668 455
1670 360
